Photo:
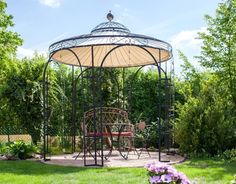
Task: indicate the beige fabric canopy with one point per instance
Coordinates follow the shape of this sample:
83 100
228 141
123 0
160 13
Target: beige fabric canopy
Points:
110 44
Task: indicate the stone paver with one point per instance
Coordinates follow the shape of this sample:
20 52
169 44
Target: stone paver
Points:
116 160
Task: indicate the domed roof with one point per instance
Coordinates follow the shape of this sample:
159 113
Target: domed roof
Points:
110 26
110 44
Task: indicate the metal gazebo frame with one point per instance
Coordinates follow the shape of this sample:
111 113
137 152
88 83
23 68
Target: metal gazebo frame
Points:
109 45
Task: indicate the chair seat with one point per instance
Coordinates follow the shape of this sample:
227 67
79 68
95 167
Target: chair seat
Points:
122 134
107 134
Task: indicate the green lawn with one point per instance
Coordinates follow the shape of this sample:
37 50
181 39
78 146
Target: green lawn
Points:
208 171
28 172
24 172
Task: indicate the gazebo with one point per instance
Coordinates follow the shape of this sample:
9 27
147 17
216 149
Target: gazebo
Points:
110 45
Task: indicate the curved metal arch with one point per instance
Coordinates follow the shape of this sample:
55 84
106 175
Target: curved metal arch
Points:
159 67
77 57
105 57
45 103
139 69
110 73
74 96
76 81
113 79
157 64
109 52
81 74
45 120
68 49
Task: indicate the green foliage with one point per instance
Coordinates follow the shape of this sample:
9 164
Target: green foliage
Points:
206 120
144 95
65 142
21 95
229 155
219 46
18 150
9 41
190 85
149 135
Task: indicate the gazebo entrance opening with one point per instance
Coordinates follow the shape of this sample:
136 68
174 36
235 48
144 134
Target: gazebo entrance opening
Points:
102 91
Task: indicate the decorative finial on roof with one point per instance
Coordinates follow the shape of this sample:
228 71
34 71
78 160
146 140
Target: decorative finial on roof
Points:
110 16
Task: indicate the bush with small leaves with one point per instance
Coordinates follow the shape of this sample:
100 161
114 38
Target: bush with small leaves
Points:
18 150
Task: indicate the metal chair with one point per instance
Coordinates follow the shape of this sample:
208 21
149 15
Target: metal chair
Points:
141 134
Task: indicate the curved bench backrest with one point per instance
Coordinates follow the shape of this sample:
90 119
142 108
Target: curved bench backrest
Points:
106 115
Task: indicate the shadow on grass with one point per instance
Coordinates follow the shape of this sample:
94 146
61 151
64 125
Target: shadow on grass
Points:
38 168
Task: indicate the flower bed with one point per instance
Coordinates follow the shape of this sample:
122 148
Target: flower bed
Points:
162 173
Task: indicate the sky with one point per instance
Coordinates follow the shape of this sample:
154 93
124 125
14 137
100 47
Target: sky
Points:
43 22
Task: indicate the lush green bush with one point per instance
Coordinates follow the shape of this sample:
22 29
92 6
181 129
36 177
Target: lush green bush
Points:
206 125
206 121
229 155
152 134
18 150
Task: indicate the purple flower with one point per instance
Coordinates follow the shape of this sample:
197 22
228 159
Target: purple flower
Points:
160 170
163 173
154 179
166 178
151 167
183 178
171 170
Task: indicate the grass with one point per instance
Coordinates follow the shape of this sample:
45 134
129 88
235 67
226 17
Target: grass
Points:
29 172
208 171
203 171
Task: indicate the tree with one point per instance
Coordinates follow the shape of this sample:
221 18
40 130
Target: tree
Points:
22 92
9 40
219 46
206 121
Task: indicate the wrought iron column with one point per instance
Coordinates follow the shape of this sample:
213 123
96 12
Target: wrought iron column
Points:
73 128
45 111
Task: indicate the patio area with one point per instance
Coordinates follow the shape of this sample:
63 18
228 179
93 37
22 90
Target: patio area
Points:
116 160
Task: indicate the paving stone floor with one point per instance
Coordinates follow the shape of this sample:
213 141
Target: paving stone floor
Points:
116 160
